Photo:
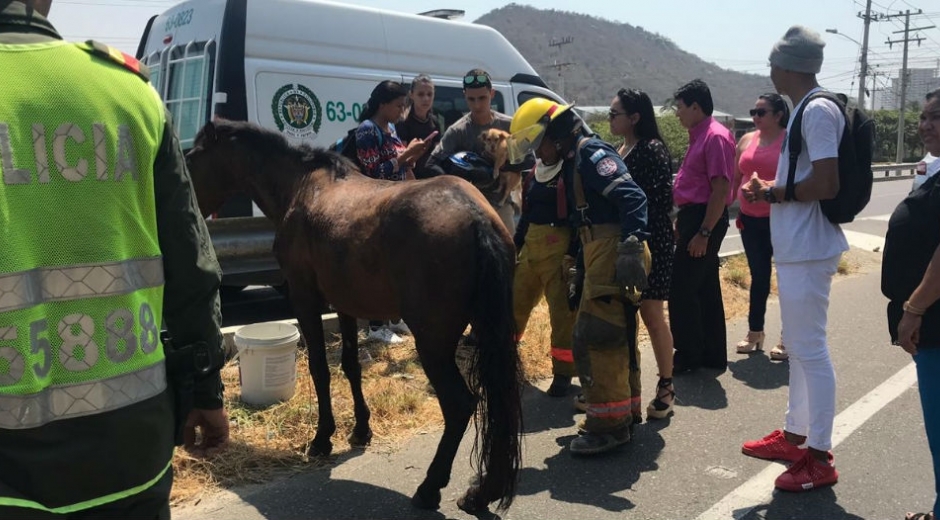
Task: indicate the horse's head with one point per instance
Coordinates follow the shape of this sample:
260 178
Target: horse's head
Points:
214 166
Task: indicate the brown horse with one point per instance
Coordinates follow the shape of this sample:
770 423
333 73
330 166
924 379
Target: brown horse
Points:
431 252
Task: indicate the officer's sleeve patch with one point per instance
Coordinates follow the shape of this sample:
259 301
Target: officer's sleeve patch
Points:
606 167
110 53
598 155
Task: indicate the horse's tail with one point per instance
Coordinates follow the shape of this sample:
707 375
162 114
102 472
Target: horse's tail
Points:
496 369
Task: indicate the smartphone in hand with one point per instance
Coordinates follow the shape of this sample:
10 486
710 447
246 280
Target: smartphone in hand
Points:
431 136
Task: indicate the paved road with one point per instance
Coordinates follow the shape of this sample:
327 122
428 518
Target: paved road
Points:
872 221
687 467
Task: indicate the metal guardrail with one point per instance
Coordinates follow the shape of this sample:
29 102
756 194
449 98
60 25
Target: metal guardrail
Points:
902 170
244 245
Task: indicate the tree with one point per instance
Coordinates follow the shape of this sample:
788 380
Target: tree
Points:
674 134
886 136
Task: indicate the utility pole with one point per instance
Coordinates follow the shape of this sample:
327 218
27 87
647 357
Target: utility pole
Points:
559 66
863 69
907 29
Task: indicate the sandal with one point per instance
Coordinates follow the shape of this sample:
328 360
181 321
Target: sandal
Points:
752 343
920 516
779 353
658 408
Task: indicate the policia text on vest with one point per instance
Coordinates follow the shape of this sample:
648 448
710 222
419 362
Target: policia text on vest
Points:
53 147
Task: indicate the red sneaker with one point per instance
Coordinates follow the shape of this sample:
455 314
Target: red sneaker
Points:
773 447
807 473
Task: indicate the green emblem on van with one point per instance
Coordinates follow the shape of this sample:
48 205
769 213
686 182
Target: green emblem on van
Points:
297 111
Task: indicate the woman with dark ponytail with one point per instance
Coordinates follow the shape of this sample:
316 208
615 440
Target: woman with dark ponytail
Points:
644 152
383 156
381 153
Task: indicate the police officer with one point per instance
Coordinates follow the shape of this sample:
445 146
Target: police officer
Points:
102 244
610 213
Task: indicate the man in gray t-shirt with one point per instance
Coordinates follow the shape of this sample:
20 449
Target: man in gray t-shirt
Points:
464 136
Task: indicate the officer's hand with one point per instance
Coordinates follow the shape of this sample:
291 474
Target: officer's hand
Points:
213 425
631 266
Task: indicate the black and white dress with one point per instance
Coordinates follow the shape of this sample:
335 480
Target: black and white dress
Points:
651 168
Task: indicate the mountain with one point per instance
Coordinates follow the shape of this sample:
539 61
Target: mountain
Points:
607 56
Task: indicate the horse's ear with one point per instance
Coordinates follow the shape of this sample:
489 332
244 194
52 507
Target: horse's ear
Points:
209 132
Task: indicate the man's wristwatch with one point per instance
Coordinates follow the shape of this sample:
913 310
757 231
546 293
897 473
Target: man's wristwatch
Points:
769 196
705 232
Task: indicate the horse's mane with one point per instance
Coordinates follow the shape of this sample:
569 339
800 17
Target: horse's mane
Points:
269 142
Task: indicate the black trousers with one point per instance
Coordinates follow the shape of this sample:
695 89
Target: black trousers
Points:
151 504
755 235
696 312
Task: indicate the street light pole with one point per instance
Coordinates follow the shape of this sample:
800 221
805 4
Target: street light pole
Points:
864 59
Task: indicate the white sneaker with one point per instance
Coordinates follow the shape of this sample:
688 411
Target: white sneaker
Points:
384 335
399 327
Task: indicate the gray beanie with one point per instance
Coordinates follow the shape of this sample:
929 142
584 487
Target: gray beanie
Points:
800 50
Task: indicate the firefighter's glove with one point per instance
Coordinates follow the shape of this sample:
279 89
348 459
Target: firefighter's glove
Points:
631 264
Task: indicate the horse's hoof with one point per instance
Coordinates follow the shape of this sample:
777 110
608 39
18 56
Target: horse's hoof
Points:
472 501
320 449
358 440
427 499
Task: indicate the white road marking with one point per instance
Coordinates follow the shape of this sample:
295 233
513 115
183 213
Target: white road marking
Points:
881 218
864 240
759 488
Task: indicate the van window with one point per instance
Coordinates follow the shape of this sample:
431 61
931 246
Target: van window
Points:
526 95
450 103
183 75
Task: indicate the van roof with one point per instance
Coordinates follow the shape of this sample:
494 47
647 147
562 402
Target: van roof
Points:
362 37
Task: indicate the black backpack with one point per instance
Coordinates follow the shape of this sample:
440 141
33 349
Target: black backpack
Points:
346 146
855 153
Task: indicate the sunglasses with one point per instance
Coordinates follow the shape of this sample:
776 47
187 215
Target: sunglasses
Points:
476 78
759 112
612 114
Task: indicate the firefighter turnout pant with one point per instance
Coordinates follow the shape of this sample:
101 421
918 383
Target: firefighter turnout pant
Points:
605 338
540 271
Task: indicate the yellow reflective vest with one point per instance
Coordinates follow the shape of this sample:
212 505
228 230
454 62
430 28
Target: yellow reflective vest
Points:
81 273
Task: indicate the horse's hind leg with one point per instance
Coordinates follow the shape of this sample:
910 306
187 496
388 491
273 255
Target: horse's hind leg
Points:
457 407
361 434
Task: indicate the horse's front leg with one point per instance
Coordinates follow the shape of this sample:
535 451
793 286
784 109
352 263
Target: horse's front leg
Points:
307 307
361 435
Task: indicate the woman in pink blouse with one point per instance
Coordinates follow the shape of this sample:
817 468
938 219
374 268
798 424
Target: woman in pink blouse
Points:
758 153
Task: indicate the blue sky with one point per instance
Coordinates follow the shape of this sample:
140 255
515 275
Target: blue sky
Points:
735 34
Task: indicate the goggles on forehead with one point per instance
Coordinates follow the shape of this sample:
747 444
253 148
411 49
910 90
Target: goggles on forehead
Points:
476 78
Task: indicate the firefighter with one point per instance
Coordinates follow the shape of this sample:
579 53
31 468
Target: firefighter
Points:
547 248
610 217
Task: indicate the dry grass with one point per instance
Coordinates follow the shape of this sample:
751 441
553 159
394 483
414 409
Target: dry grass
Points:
272 441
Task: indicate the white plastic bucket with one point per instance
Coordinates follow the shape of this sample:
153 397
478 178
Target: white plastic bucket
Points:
267 366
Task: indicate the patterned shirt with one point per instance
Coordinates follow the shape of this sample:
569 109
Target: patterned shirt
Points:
376 149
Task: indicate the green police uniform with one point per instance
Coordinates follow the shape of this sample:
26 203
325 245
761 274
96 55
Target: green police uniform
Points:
103 244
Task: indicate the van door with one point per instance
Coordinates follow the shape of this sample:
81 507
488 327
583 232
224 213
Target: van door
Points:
309 104
184 76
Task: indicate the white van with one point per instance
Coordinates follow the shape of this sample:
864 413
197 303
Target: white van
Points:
305 68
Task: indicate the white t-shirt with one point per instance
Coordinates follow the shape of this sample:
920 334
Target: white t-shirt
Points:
800 231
